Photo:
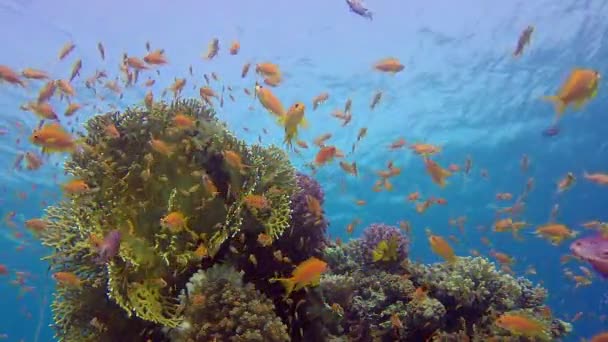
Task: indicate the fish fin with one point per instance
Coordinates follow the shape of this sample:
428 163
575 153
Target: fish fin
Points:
304 123
281 119
287 283
560 106
580 103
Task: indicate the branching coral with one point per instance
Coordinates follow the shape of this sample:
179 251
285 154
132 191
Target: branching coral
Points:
419 302
151 169
217 305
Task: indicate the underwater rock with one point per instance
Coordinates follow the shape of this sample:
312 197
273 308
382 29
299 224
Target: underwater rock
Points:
218 306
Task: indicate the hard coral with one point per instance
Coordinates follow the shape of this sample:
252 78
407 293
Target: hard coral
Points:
218 306
150 169
376 232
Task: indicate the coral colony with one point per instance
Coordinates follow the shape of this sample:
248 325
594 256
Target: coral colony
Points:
185 233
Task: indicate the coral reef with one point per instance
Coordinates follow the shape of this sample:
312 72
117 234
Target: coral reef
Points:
182 228
376 232
441 301
150 170
219 306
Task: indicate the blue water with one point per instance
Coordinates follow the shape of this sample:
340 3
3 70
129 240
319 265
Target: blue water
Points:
460 89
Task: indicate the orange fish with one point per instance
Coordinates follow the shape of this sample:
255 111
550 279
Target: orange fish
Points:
308 273
267 69
174 221
161 147
502 258
72 109
75 186
66 49
9 75
425 150
156 57
391 65
235 47
598 178
42 110
269 101
397 144
53 138
325 155
65 87
566 183
319 99
601 337
183 121
349 168
438 174
212 49
34 74
556 233
234 160
36 225
293 119
580 87
504 196
32 161
524 326
67 279
442 248
253 201
414 196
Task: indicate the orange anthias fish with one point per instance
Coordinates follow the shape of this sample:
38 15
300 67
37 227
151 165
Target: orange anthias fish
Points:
67 279
174 221
156 57
235 47
234 160
566 183
524 326
269 101
556 233
293 119
75 186
391 65
53 138
325 155
598 178
442 248
253 201
438 174
602 337
183 121
307 273
580 87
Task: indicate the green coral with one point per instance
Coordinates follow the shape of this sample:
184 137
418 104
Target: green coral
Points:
219 306
470 283
152 169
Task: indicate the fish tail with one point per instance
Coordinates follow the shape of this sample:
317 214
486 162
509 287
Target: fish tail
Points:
560 106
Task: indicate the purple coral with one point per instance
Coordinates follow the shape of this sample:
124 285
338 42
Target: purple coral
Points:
306 236
377 232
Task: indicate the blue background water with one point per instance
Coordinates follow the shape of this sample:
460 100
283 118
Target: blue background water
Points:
460 89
